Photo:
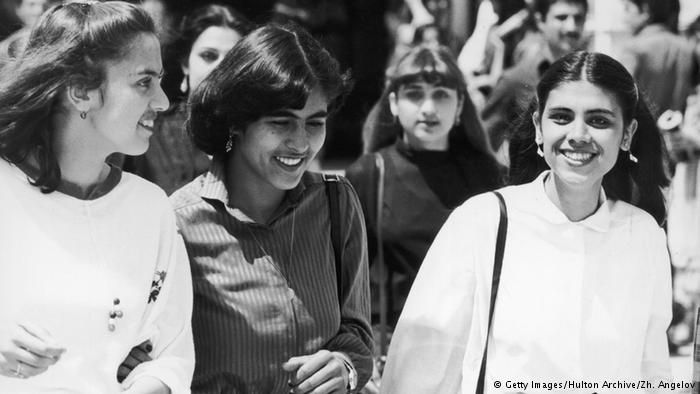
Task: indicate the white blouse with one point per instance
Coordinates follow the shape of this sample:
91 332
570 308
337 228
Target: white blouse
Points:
65 260
579 302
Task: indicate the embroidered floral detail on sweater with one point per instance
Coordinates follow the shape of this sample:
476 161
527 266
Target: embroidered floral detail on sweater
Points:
156 285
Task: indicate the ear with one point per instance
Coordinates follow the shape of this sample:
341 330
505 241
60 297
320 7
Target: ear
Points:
539 20
538 128
628 135
393 104
185 69
80 97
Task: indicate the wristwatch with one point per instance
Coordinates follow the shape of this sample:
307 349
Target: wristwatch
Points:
352 376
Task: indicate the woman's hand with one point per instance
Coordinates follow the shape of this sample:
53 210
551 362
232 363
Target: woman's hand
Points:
147 385
27 350
319 373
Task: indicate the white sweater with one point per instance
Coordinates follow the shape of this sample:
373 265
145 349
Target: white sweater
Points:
65 260
578 302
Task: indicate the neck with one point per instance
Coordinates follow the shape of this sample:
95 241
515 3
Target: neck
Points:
577 203
248 192
81 161
441 145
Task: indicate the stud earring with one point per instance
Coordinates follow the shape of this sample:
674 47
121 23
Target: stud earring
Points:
185 84
83 115
540 152
633 158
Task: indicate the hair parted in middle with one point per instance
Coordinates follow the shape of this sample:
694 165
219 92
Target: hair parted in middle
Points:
272 68
640 183
435 66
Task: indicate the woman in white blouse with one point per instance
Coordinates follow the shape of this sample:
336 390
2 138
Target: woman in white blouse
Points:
585 289
92 263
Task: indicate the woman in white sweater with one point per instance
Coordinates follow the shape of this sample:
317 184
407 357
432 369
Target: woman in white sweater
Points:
92 263
585 287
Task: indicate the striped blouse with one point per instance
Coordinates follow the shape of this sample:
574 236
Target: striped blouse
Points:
266 292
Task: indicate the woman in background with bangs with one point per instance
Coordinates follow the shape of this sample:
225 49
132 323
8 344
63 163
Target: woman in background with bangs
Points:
435 155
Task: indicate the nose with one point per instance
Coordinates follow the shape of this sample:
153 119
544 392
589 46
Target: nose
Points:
160 101
579 135
570 25
297 139
427 107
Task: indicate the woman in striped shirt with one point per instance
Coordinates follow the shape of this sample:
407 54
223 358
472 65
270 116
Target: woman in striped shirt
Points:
269 316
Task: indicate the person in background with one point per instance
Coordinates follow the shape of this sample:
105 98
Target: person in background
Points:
665 64
274 310
435 156
585 285
92 261
560 31
204 38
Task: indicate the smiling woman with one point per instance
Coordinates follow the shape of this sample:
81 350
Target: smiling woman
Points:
273 313
94 240
584 287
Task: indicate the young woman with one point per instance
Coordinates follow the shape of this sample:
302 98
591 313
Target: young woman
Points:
585 287
204 38
92 262
435 156
269 315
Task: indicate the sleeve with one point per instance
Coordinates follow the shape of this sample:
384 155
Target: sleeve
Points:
354 337
168 323
428 347
655 360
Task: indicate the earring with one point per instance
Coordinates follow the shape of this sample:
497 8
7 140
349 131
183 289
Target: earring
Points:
185 84
540 153
229 141
83 114
633 158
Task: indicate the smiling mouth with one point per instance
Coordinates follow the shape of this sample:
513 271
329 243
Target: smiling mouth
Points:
429 123
147 124
289 161
578 157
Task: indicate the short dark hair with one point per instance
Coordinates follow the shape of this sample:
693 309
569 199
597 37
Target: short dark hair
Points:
202 18
639 184
272 68
542 6
69 41
664 12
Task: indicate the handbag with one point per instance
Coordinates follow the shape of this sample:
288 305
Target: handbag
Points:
495 280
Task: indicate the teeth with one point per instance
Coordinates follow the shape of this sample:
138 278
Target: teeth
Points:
147 123
289 161
578 156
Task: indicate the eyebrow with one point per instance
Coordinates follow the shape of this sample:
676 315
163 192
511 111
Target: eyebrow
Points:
592 111
287 113
151 72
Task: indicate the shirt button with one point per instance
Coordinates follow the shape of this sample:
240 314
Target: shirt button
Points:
291 293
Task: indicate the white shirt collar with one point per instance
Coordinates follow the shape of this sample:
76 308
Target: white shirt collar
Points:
544 207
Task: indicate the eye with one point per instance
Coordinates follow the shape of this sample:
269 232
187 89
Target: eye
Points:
209 56
599 122
413 94
316 124
145 82
560 118
441 94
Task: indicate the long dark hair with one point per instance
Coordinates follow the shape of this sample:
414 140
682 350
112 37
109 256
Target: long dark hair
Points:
432 65
638 183
69 41
272 68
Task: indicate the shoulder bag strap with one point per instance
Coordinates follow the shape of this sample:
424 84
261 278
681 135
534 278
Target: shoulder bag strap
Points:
381 267
495 279
331 181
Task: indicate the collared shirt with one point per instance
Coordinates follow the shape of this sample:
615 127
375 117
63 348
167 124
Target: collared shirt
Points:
578 302
265 292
